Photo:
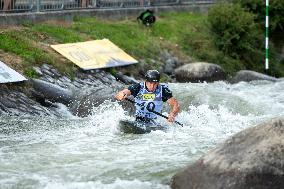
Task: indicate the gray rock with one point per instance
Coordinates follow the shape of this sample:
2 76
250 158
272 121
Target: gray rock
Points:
77 84
51 92
170 62
45 67
83 107
253 158
125 79
48 78
55 73
47 72
247 75
9 103
65 79
111 77
165 55
170 65
38 70
199 72
93 97
14 102
52 87
105 80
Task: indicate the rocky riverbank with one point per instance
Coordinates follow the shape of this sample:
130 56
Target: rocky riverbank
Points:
251 158
87 89
42 96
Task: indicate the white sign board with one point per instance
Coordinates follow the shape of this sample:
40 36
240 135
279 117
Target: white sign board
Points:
8 75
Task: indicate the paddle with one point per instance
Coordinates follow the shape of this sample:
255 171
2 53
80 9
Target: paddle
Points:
157 113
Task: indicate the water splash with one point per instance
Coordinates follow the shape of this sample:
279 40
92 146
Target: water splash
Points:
117 184
47 152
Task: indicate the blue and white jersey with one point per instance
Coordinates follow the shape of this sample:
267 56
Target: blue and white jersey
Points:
148 101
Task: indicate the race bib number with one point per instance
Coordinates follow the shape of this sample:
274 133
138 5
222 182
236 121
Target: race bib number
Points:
149 106
148 96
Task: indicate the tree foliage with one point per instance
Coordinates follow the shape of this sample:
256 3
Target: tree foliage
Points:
276 11
236 33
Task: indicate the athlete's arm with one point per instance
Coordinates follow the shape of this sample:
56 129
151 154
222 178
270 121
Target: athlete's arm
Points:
131 90
121 95
175 109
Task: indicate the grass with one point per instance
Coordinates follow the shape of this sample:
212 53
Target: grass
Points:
60 33
18 44
186 35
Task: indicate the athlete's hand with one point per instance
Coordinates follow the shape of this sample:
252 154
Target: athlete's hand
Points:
120 95
171 117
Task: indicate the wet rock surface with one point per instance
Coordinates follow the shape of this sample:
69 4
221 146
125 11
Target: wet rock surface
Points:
41 96
171 62
18 102
125 79
248 75
199 72
253 158
52 92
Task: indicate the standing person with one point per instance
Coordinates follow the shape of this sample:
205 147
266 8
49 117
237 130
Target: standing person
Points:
85 3
150 94
7 5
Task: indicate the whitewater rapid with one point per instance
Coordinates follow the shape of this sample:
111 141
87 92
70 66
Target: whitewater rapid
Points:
91 153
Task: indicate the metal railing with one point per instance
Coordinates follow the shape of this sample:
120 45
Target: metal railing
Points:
12 6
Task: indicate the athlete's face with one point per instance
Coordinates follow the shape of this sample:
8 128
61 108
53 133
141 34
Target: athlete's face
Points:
151 86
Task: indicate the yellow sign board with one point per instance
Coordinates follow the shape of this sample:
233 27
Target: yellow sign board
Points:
94 54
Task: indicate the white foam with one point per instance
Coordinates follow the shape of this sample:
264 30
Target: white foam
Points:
92 153
117 184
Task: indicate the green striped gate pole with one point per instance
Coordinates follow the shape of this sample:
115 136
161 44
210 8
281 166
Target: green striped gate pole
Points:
266 35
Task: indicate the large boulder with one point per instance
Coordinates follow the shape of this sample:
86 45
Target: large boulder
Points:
47 91
253 158
247 75
199 72
84 105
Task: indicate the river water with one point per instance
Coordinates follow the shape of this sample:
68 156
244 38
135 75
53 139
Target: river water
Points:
91 153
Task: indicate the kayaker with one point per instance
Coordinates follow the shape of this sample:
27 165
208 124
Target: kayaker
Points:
150 95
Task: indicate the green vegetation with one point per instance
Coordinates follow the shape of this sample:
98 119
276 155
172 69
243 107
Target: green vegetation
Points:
236 34
17 43
190 36
31 73
60 33
276 12
239 33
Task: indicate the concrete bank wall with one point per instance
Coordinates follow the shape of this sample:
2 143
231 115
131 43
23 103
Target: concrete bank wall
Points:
68 15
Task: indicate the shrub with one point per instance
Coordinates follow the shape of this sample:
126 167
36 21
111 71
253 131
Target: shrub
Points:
235 33
30 72
276 11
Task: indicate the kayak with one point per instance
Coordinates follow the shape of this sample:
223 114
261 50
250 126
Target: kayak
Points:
139 127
